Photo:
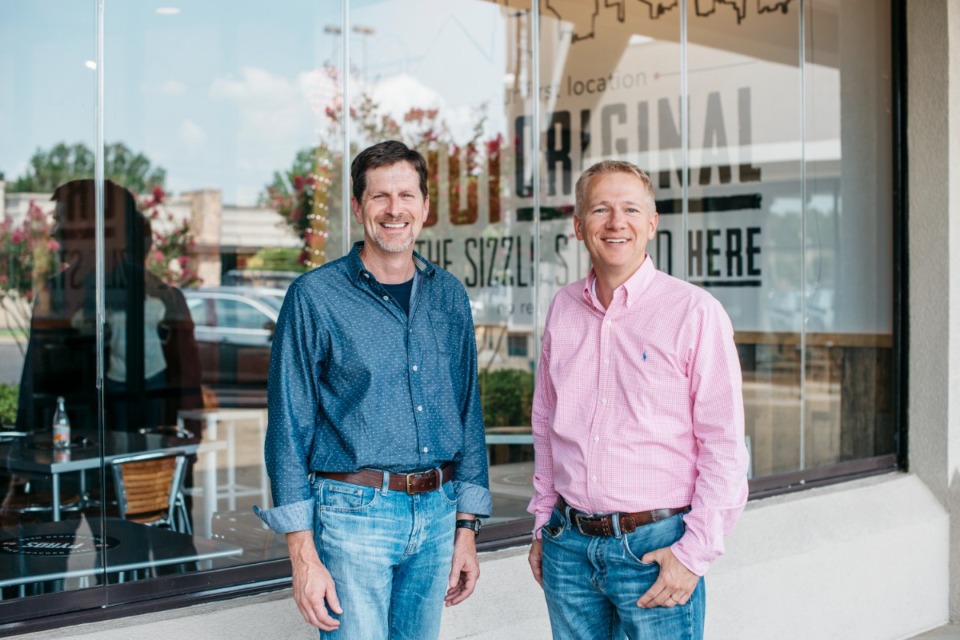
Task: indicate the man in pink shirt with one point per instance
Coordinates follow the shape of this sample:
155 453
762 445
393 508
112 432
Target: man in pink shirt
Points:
641 467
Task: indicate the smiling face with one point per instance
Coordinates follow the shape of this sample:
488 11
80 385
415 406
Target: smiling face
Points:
392 210
615 220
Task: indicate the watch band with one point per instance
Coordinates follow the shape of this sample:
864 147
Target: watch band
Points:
474 525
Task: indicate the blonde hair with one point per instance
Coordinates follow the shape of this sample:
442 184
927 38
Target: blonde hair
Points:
605 167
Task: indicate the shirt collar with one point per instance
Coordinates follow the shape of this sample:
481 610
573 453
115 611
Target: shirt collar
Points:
633 287
356 269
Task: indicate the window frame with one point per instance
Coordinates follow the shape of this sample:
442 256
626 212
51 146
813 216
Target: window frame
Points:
44 612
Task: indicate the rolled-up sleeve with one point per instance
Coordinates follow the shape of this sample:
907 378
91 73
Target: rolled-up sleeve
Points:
297 516
471 475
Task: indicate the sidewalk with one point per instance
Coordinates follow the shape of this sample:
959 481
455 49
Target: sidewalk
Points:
948 632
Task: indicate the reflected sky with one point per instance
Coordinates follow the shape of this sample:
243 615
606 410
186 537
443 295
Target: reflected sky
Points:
222 94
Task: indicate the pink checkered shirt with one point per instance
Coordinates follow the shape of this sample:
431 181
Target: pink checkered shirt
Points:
640 406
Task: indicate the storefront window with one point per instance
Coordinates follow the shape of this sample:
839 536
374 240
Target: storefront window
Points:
225 134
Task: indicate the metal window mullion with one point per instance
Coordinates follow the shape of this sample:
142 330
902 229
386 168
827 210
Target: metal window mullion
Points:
344 121
684 143
99 175
803 234
535 47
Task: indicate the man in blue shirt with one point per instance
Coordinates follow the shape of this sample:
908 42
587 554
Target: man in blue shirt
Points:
375 444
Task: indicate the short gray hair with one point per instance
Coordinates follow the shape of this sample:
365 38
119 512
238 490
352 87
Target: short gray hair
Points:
612 166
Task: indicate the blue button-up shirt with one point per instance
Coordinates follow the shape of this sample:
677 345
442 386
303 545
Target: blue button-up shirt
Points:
355 384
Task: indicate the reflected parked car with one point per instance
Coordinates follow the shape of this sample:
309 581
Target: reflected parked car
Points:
234 329
259 278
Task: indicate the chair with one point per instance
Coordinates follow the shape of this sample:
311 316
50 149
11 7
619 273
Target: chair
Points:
21 503
149 489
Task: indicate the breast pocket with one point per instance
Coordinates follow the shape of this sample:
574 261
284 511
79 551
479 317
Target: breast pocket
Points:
447 331
662 375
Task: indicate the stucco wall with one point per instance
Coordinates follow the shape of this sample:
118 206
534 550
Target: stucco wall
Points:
862 560
933 117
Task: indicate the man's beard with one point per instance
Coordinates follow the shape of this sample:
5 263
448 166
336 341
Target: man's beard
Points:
393 248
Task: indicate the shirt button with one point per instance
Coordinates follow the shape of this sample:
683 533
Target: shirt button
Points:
609 323
606 362
386 297
415 367
426 450
419 407
593 479
603 401
596 438
366 275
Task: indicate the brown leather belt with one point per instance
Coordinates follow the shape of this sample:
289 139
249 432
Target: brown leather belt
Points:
416 482
593 525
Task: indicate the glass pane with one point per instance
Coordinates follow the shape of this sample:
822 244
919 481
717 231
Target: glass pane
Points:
221 142
610 90
454 82
848 204
224 134
745 226
48 537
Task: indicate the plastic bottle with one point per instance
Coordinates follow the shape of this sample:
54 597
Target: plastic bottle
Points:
61 426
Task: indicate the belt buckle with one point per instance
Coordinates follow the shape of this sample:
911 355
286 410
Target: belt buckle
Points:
580 518
422 474
416 475
409 489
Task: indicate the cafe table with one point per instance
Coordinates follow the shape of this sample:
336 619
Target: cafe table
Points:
227 419
35 455
78 548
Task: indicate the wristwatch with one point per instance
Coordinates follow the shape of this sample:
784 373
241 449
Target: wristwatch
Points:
470 524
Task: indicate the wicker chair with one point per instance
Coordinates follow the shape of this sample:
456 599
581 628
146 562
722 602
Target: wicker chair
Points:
149 489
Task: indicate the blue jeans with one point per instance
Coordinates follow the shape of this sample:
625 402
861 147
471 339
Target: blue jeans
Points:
389 554
592 584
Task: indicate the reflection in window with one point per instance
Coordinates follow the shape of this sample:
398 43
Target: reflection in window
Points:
236 314
198 311
233 152
518 346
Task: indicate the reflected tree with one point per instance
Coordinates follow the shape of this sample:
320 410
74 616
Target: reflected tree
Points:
308 191
30 254
65 162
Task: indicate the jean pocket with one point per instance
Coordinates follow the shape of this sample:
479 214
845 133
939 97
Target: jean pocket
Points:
555 526
449 492
344 497
651 537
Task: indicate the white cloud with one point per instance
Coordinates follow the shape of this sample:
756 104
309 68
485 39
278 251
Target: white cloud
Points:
256 89
168 88
172 88
319 89
398 94
191 134
275 118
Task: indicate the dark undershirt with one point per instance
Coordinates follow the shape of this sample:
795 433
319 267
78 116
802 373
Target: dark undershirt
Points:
401 293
